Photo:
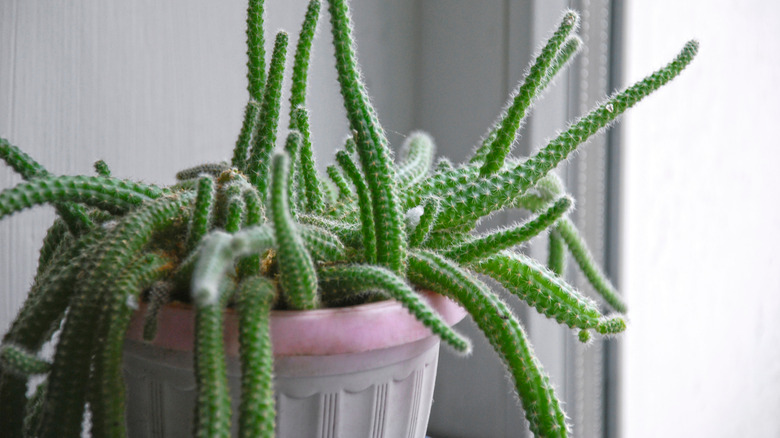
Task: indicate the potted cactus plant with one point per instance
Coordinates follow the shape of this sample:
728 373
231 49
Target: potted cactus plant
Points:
264 234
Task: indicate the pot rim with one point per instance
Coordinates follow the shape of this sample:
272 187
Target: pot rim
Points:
341 330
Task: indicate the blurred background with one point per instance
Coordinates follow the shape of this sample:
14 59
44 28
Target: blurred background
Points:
678 201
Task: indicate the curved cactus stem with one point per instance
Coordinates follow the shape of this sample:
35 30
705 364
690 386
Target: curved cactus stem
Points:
101 168
364 204
485 246
71 367
264 136
297 276
107 387
371 145
203 212
39 317
257 411
351 279
57 237
431 208
20 362
419 150
506 335
521 100
213 169
323 245
541 289
74 215
345 192
588 265
348 233
110 194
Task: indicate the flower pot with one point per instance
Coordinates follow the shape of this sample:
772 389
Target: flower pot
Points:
362 371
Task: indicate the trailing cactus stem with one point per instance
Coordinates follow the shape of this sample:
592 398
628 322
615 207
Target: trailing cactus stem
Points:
500 326
107 401
257 410
589 267
212 415
350 279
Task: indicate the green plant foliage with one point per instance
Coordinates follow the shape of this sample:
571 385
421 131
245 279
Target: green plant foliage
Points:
265 232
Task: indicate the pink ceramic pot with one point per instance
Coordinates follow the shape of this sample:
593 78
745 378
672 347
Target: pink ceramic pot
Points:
362 371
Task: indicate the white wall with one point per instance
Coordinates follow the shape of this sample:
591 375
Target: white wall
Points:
702 224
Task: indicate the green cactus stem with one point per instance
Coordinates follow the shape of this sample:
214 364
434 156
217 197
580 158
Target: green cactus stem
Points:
74 215
556 256
297 276
203 212
264 136
18 361
293 146
418 150
107 400
101 168
314 197
485 246
345 192
212 412
71 367
510 122
500 326
110 194
364 204
159 295
257 411
213 169
302 56
501 189
431 208
589 267
371 145
352 279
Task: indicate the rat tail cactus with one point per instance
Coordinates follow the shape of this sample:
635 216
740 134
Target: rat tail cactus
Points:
265 232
